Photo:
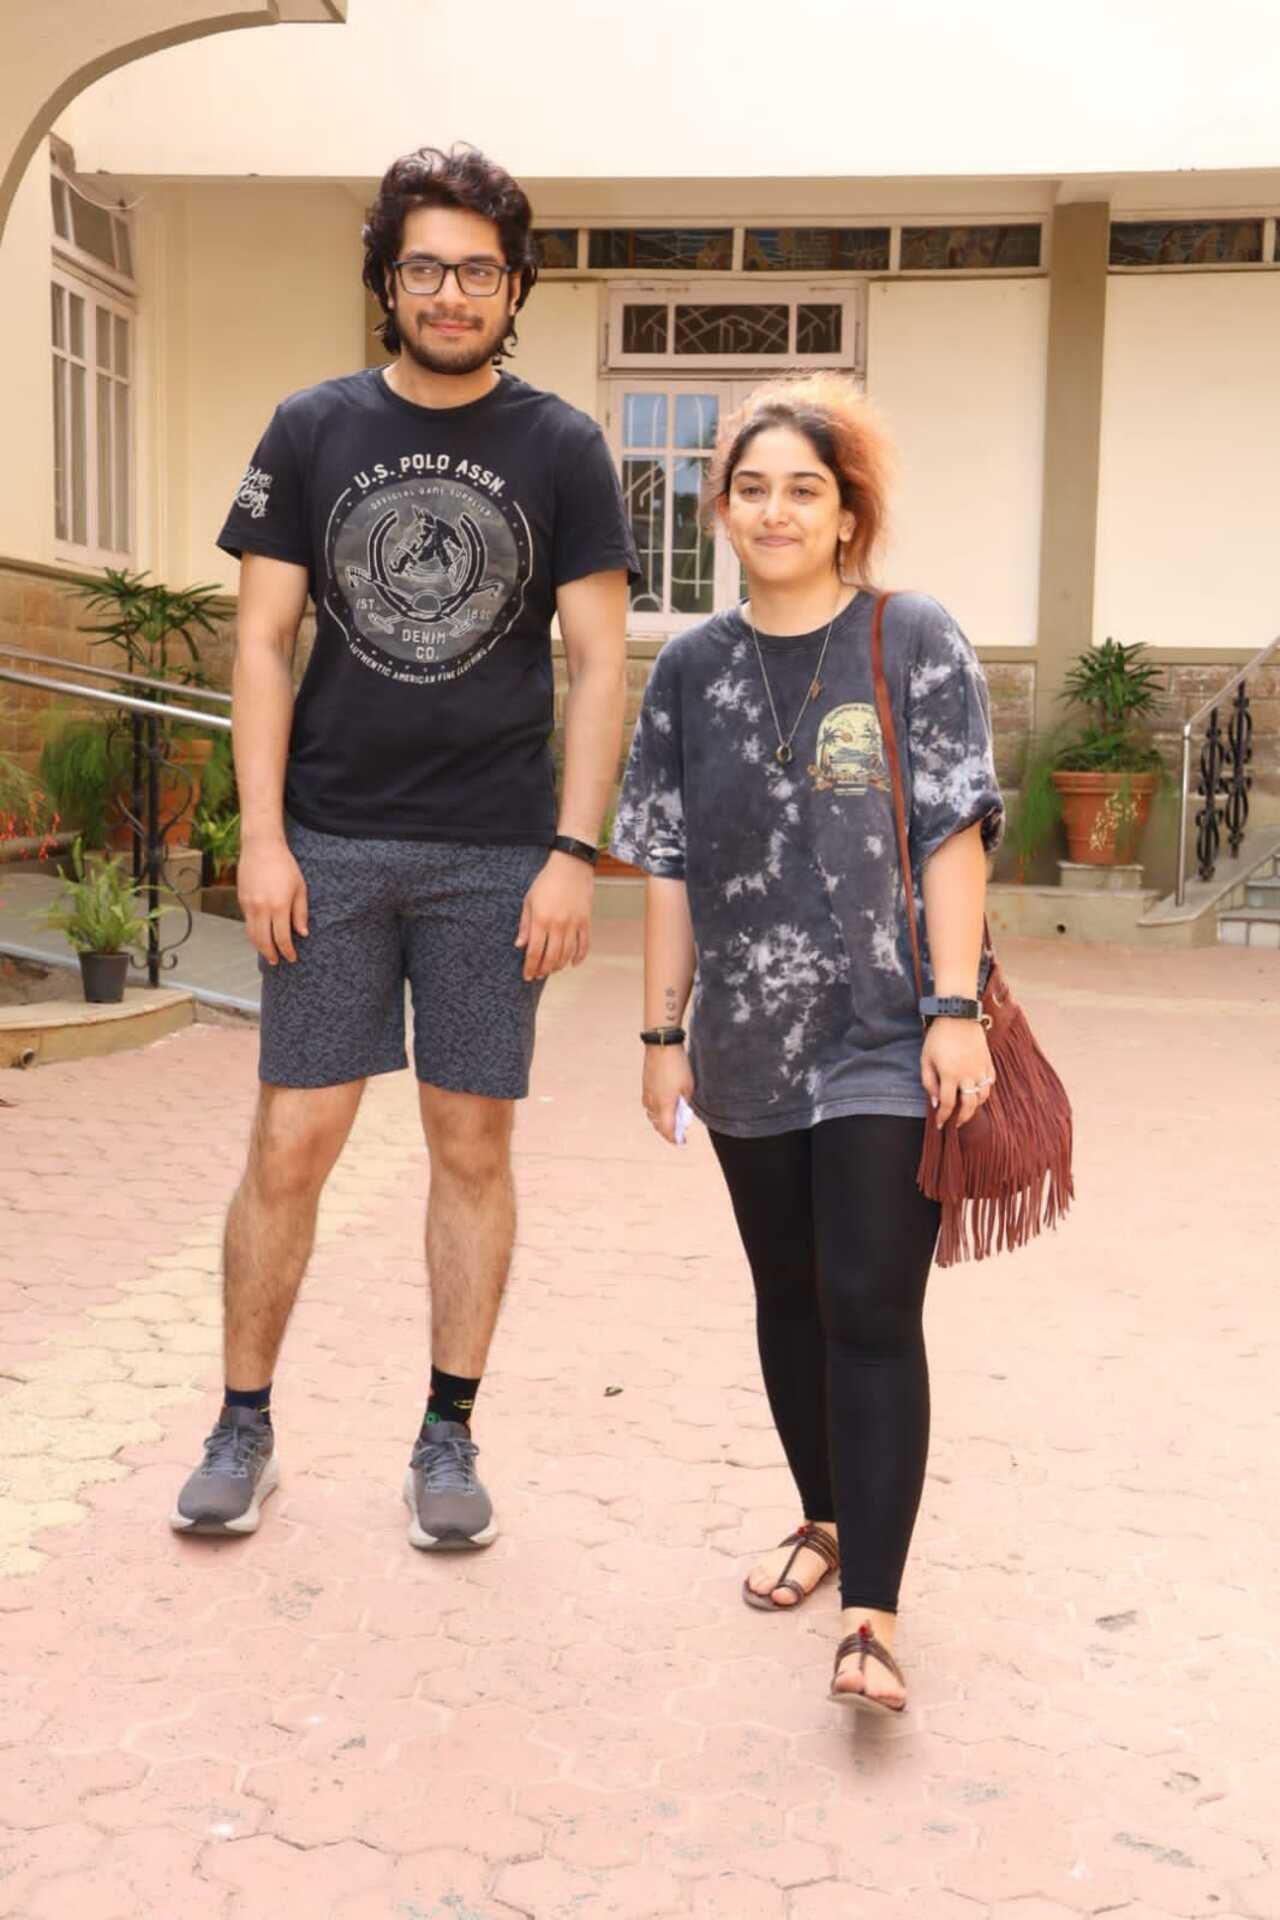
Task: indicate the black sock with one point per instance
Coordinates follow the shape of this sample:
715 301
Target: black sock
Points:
451 1398
258 1400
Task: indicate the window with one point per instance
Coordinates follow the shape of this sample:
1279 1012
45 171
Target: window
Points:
1185 243
728 326
663 436
92 322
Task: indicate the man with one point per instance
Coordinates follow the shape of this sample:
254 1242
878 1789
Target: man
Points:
399 820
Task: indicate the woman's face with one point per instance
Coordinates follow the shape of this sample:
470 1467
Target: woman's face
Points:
783 513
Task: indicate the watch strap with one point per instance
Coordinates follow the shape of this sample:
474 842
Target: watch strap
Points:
577 849
663 1036
949 1006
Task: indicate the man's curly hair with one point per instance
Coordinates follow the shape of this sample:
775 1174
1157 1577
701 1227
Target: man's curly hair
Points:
464 178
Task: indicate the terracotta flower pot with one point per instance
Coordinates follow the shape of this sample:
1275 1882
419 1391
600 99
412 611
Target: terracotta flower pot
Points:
1104 814
610 868
103 975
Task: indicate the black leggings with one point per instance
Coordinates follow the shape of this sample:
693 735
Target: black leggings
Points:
839 1240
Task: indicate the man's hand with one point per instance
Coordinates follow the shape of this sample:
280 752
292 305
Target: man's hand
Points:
955 1066
667 1075
273 898
555 921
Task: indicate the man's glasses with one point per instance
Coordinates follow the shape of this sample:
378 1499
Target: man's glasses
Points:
478 279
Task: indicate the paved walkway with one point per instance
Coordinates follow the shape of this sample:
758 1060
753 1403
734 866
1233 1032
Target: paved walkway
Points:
585 1723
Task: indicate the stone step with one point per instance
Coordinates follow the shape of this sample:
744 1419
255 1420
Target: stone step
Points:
51 1030
1262 891
1250 927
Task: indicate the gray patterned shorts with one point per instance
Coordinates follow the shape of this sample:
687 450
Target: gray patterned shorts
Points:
442 916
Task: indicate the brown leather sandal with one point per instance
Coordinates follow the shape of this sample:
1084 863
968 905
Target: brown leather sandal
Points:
806 1535
866 1645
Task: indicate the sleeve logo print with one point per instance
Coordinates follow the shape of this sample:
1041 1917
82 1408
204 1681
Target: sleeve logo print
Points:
850 752
253 493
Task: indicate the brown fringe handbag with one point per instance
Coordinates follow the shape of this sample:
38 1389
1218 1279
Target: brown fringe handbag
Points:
1007 1174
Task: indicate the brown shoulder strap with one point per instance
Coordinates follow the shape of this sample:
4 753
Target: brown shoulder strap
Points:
889 735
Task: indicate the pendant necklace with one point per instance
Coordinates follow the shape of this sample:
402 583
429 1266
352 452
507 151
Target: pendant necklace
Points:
782 752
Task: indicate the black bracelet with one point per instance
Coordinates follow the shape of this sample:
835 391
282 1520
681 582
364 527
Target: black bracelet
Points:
579 849
663 1036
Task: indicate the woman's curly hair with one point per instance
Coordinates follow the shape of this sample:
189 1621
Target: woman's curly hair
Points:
846 433
464 178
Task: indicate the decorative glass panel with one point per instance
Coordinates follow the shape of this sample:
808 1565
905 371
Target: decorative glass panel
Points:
644 490
816 250
106 533
644 329
819 329
61 527
122 468
1184 243
697 419
93 229
745 330
644 420
969 247
703 249
556 247
693 554
79 460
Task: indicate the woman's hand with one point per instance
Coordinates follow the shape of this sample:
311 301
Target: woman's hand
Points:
667 1075
956 1070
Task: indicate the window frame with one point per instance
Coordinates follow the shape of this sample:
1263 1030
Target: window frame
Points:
725 577
849 294
76 273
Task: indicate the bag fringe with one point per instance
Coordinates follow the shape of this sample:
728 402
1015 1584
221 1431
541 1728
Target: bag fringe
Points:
1006 1176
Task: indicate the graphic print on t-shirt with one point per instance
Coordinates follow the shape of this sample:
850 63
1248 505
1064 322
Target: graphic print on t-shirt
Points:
428 563
849 756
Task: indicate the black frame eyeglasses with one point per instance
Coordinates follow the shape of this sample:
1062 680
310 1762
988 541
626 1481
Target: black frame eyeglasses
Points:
477 279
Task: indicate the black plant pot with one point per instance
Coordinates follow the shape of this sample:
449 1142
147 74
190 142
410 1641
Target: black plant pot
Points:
104 975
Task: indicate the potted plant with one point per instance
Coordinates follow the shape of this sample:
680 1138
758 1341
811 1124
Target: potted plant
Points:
83 765
218 838
99 913
1106 774
157 630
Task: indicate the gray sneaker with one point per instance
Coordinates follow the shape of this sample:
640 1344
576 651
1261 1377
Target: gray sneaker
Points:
226 1491
447 1505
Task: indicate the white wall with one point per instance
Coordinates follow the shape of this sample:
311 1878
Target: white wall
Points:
722 88
560 341
26 471
959 371
1189 510
251 292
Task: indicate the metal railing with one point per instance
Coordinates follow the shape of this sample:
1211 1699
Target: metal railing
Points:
1224 780
149 751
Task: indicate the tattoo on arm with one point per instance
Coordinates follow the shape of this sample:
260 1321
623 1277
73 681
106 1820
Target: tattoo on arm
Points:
671 1004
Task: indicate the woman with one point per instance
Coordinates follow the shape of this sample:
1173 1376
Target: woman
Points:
758 800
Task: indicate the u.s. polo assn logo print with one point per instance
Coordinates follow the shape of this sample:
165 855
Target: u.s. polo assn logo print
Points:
428 562
254 492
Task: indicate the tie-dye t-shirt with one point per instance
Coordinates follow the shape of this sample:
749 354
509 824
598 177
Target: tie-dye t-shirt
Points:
804 1004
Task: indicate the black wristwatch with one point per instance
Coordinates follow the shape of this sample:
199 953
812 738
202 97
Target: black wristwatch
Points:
579 849
663 1036
949 1006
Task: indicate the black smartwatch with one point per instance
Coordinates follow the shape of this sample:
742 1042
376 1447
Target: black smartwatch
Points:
949 1007
578 849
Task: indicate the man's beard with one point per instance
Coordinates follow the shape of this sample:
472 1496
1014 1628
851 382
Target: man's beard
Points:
467 355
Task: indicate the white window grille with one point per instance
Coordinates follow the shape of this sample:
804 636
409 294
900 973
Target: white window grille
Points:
93 322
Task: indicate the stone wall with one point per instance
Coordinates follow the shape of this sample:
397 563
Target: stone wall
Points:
40 613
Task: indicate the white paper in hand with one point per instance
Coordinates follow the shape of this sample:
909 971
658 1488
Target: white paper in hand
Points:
684 1114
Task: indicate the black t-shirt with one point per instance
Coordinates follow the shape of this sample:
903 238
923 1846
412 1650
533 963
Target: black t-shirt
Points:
434 541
